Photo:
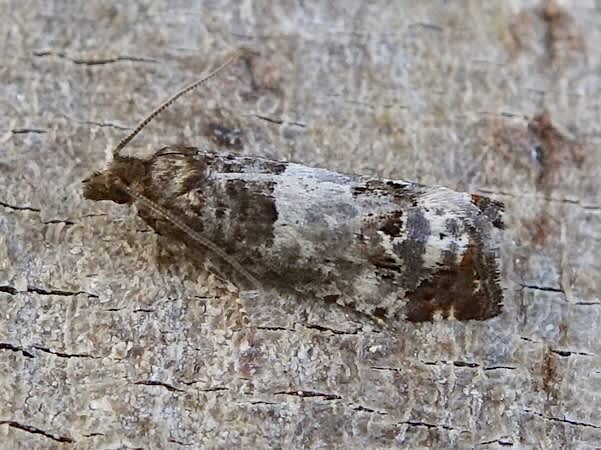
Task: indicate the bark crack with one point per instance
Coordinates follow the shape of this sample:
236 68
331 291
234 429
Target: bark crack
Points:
468 364
307 394
206 389
184 444
58 292
19 208
321 328
566 353
278 121
471 365
542 288
417 423
32 289
332 330
54 221
273 328
35 430
566 421
502 441
9 290
14 348
258 402
96 123
90 435
93 62
391 369
587 303
63 354
362 408
167 386
28 131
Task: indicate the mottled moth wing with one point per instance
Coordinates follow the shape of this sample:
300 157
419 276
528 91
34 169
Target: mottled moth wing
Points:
390 249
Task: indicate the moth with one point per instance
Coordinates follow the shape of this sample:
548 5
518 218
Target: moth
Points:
391 249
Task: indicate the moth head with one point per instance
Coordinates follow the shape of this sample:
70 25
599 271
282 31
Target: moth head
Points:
108 184
123 173
123 180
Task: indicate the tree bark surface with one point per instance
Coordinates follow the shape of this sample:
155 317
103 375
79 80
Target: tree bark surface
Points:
114 337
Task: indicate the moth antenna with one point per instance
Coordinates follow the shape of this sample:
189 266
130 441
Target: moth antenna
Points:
173 98
202 240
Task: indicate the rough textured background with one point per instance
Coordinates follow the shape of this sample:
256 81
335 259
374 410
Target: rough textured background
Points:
109 340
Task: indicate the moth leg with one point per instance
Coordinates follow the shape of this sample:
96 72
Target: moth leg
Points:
241 298
377 321
376 317
243 317
236 316
356 315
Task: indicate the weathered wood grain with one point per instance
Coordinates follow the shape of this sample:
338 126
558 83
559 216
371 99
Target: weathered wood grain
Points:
110 339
